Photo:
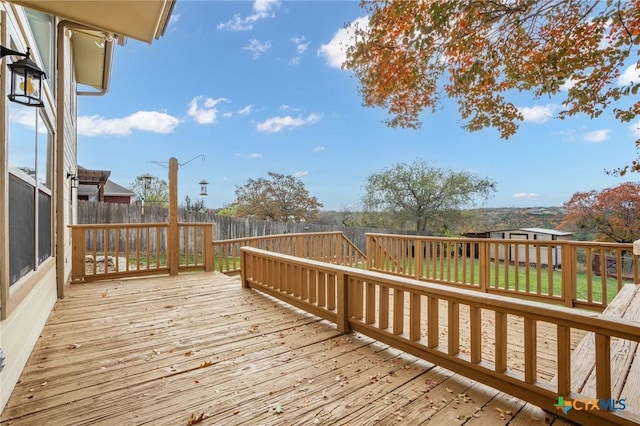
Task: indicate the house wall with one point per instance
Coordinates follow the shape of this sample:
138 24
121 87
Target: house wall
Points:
20 331
117 199
69 154
28 303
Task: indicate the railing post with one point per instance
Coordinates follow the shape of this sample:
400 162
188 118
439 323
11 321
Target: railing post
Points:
173 248
244 265
417 258
78 254
368 248
567 263
207 246
342 320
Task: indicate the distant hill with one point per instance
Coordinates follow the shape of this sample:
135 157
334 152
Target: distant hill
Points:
488 219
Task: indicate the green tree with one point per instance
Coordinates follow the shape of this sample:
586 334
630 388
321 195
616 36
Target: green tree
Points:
154 191
413 53
278 197
428 197
198 206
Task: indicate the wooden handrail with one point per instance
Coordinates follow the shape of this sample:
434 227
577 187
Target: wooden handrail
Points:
572 273
116 250
332 247
364 301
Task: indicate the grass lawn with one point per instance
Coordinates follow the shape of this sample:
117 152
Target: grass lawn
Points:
532 280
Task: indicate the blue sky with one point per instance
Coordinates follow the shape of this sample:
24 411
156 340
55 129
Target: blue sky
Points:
257 87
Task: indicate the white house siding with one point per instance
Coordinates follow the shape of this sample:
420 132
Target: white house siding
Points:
30 300
70 155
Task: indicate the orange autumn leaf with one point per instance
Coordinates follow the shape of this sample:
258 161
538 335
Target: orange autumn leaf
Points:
410 54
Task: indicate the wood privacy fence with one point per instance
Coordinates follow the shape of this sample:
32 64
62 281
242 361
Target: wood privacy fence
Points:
225 227
572 273
404 313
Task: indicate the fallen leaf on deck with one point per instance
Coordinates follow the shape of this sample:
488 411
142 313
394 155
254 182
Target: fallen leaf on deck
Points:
279 409
205 364
194 420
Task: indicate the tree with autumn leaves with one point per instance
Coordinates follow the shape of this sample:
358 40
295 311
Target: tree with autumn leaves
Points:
276 197
412 53
614 213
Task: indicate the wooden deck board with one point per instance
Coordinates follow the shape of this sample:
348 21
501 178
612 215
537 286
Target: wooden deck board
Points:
160 350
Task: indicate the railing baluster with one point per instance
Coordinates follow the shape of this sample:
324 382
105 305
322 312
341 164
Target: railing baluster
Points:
530 351
475 325
564 360
501 341
415 313
603 366
453 328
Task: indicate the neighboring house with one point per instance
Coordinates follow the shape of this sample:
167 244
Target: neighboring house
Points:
94 185
73 43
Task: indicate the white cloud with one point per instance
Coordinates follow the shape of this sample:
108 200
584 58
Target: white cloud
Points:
174 18
203 110
257 47
262 9
597 136
228 114
635 129
301 48
285 107
335 50
246 110
564 87
630 76
537 114
301 174
150 121
319 148
26 117
278 124
251 156
567 135
526 195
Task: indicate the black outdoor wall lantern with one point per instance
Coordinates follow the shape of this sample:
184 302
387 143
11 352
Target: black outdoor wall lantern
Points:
26 79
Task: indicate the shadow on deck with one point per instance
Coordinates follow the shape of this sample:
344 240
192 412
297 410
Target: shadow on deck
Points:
199 349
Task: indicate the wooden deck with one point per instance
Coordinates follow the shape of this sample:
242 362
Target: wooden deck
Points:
199 349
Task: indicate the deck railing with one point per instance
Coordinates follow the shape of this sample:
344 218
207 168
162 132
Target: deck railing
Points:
404 313
117 250
572 273
332 247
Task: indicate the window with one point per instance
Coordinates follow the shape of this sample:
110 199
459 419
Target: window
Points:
42 28
30 183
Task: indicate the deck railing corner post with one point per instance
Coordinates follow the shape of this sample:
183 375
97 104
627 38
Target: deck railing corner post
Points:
342 319
243 268
208 248
567 265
